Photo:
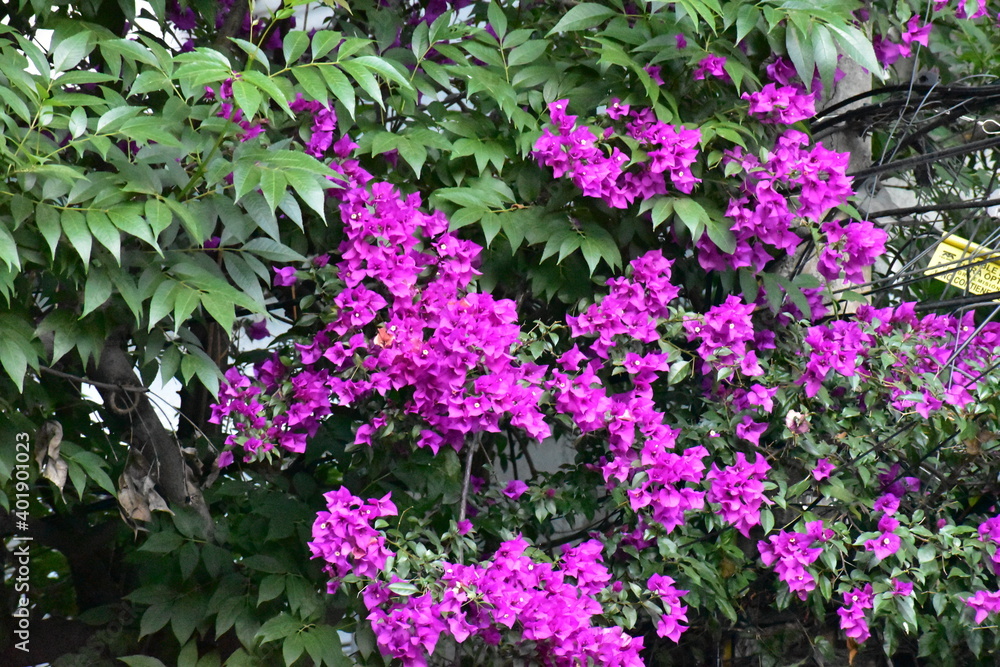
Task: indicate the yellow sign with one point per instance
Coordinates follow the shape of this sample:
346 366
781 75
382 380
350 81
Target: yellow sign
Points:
966 265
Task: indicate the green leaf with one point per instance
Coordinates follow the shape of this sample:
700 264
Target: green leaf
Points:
162 302
75 227
255 53
529 52
221 308
8 249
273 185
272 250
147 129
154 619
292 648
497 19
105 232
294 45
581 17
97 291
267 84
185 616
598 244
341 88
128 219
142 660
70 51
311 81
858 47
721 235
323 42
800 52
824 53
279 627
413 153
14 361
198 364
158 215
192 225
309 189
263 563
385 70
403 588
270 587
364 78
693 215
248 98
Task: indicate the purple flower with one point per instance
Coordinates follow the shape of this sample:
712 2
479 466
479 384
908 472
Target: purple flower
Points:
258 330
784 105
852 614
285 276
515 489
713 66
888 503
669 624
984 603
654 73
884 545
887 524
902 588
739 491
823 469
750 430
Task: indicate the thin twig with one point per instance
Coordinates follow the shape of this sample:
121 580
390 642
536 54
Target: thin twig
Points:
95 383
466 476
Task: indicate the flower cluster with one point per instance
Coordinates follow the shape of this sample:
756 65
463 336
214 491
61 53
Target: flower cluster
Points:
640 444
712 66
989 533
852 614
839 346
450 348
923 374
739 491
850 249
724 334
632 308
324 123
886 543
792 553
782 105
793 184
675 613
344 538
553 615
888 52
575 151
984 603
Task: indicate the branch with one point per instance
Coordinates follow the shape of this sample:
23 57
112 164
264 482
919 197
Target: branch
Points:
466 476
93 383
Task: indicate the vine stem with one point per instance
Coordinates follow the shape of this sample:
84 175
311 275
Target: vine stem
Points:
466 477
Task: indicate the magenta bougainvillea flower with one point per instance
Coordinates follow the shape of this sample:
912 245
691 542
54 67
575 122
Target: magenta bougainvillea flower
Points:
515 489
852 614
712 66
823 469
